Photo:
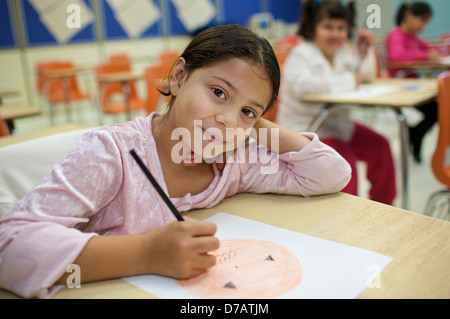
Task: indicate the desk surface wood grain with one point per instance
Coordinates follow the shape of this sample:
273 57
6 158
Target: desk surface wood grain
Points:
419 245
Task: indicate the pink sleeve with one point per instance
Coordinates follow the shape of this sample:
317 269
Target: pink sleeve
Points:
315 169
427 46
398 51
37 254
37 237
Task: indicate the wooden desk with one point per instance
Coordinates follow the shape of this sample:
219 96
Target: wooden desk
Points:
7 92
120 77
13 139
65 72
438 64
11 112
406 93
419 245
426 66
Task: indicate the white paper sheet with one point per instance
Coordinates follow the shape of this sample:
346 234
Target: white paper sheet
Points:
135 16
116 4
55 16
445 60
328 269
365 91
194 14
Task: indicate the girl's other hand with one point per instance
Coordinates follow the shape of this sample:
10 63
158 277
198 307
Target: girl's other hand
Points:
364 39
434 54
358 79
181 249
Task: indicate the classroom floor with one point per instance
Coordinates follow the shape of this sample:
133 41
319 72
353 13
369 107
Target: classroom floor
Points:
422 182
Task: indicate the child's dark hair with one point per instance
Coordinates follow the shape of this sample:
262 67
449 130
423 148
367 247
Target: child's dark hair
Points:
420 9
221 43
315 11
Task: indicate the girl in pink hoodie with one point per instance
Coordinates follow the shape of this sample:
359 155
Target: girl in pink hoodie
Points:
97 209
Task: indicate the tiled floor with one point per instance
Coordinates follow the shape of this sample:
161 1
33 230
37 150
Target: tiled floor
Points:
422 181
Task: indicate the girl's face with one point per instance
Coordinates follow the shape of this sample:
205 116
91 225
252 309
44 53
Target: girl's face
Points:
219 103
330 34
415 24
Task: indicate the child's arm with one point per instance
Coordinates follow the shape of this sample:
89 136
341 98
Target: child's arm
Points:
178 249
302 165
397 51
288 141
367 68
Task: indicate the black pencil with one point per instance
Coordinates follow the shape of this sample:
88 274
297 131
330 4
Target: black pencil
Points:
156 185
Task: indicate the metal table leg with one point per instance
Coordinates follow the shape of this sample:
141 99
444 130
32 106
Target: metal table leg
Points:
317 122
404 142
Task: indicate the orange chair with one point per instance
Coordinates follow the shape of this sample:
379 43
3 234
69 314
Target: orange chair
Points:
156 77
282 49
59 90
55 87
168 57
288 42
42 68
272 114
121 58
440 162
3 128
109 91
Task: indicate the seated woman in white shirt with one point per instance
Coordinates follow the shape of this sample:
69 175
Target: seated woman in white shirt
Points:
324 62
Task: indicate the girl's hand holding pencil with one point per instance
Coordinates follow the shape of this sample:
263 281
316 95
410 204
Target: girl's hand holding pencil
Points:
180 250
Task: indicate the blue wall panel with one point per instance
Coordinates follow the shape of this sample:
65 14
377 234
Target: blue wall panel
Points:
7 35
36 32
239 11
287 10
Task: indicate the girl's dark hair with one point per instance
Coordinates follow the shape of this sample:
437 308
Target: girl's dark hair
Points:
315 11
420 9
221 43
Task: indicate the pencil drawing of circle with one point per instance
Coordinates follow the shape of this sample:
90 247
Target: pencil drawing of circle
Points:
247 268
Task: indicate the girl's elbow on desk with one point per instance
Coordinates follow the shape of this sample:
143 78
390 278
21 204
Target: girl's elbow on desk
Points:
335 173
328 174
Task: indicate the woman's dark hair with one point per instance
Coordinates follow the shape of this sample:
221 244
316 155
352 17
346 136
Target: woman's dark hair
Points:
420 9
221 43
315 11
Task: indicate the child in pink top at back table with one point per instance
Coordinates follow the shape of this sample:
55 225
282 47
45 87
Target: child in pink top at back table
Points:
403 44
324 62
